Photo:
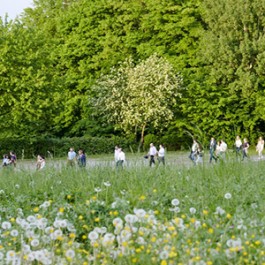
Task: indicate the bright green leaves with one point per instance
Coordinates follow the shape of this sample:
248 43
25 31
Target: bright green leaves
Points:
25 82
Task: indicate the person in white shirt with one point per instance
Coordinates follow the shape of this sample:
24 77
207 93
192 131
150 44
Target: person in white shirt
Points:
161 154
217 150
152 153
71 157
40 162
238 145
116 153
121 158
6 161
260 147
223 148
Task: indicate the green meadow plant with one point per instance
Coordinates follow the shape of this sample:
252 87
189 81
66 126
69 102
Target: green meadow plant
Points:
208 214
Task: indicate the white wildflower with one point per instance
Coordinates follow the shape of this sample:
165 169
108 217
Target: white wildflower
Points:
107 183
163 255
175 202
228 196
6 225
131 218
93 235
192 210
35 242
219 211
14 233
70 253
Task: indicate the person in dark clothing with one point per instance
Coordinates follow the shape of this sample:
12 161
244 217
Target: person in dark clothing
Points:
212 150
81 160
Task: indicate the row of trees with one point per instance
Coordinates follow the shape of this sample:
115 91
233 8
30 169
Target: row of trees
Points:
104 67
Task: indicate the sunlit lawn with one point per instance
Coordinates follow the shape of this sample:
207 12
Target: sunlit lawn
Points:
178 214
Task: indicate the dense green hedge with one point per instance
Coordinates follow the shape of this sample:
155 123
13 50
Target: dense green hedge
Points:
58 147
29 148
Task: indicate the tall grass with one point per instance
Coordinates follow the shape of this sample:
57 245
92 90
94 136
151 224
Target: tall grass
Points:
201 186
95 196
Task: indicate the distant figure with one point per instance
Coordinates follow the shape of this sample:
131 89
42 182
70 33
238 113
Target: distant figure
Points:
40 162
121 158
81 160
245 148
194 151
161 154
71 157
152 153
223 149
13 158
212 149
199 159
116 154
6 161
238 145
218 149
260 147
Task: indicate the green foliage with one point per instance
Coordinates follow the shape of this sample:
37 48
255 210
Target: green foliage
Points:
26 83
57 52
138 96
224 98
55 147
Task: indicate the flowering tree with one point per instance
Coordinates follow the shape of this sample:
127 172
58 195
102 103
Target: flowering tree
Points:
134 96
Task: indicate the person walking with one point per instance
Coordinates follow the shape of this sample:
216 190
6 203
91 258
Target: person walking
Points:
81 159
71 157
6 161
199 159
13 158
217 150
238 145
161 154
40 162
194 151
245 147
212 149
223 149
116 154
260 147
152 153
121 158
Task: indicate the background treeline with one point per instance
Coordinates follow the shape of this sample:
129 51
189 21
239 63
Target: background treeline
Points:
54 59
55 147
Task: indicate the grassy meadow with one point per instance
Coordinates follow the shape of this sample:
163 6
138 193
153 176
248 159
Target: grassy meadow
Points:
206 214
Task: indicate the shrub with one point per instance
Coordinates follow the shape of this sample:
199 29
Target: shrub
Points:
29 148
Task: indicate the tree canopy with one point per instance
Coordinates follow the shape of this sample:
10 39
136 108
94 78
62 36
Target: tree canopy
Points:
55 54
139 96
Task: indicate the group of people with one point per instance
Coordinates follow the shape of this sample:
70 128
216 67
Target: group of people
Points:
153 153
73 158
218 149
9 160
